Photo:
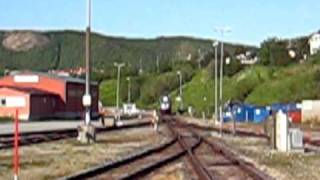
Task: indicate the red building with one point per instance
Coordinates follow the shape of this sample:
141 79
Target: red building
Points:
41 95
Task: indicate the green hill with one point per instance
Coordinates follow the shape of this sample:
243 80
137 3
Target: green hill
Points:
275 79
260 85
65 49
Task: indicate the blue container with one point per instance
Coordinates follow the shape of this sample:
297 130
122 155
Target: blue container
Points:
260 114
292 107
227 116
243 113
277 107
284 107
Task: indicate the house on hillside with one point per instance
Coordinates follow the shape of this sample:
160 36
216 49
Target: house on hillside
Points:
248 58
314 43
41 95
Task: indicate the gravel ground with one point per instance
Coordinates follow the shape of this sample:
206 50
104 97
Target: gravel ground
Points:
277 164
52 160
283 166
175 171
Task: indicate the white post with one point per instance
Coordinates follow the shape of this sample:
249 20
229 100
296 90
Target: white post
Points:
247 116
156 120
118 87
282 131
215 45
158 65
221 84
119 66
222 31
87 96
180 89
129 89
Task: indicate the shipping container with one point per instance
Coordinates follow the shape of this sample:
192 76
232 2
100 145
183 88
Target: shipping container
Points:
285 107
295 116
243 113
260 114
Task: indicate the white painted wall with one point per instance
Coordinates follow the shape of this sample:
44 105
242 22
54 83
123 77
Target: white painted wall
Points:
310 110
13 101
314 43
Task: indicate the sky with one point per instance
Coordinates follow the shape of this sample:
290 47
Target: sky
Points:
250 21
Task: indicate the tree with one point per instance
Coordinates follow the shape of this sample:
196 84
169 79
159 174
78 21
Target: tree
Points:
234 67
275 52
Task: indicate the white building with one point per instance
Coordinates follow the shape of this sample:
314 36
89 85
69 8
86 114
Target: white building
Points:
247 58
314 43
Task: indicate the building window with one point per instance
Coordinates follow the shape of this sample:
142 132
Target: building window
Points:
3 102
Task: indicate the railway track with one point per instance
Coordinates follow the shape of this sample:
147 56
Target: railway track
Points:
310 144
228 131
214 160
138 165
29 138
205 157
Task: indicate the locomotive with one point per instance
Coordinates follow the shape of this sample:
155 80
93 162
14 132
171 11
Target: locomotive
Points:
165 105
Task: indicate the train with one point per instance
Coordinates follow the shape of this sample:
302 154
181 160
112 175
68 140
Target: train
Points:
165 105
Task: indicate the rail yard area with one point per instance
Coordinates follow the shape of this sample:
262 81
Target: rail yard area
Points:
159 90
181 148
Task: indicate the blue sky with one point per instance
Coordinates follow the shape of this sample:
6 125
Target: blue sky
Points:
251 21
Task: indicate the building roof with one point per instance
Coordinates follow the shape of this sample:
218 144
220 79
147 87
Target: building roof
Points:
54 76
29 90
315 33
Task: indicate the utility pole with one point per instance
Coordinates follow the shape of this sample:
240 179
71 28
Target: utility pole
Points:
221 31
200 58
88 66
180 89
215 45
140 69
87 132
158 65
119 66
129 89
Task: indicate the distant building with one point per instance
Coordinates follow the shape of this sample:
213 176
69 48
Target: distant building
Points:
78 71
314 43
40 95
247 58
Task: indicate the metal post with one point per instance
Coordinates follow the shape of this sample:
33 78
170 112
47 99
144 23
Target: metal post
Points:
199 61
119 66
158 65
222 31
215 80
221 84
88 64
180 89
140 68
129 89
118 87
16 146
